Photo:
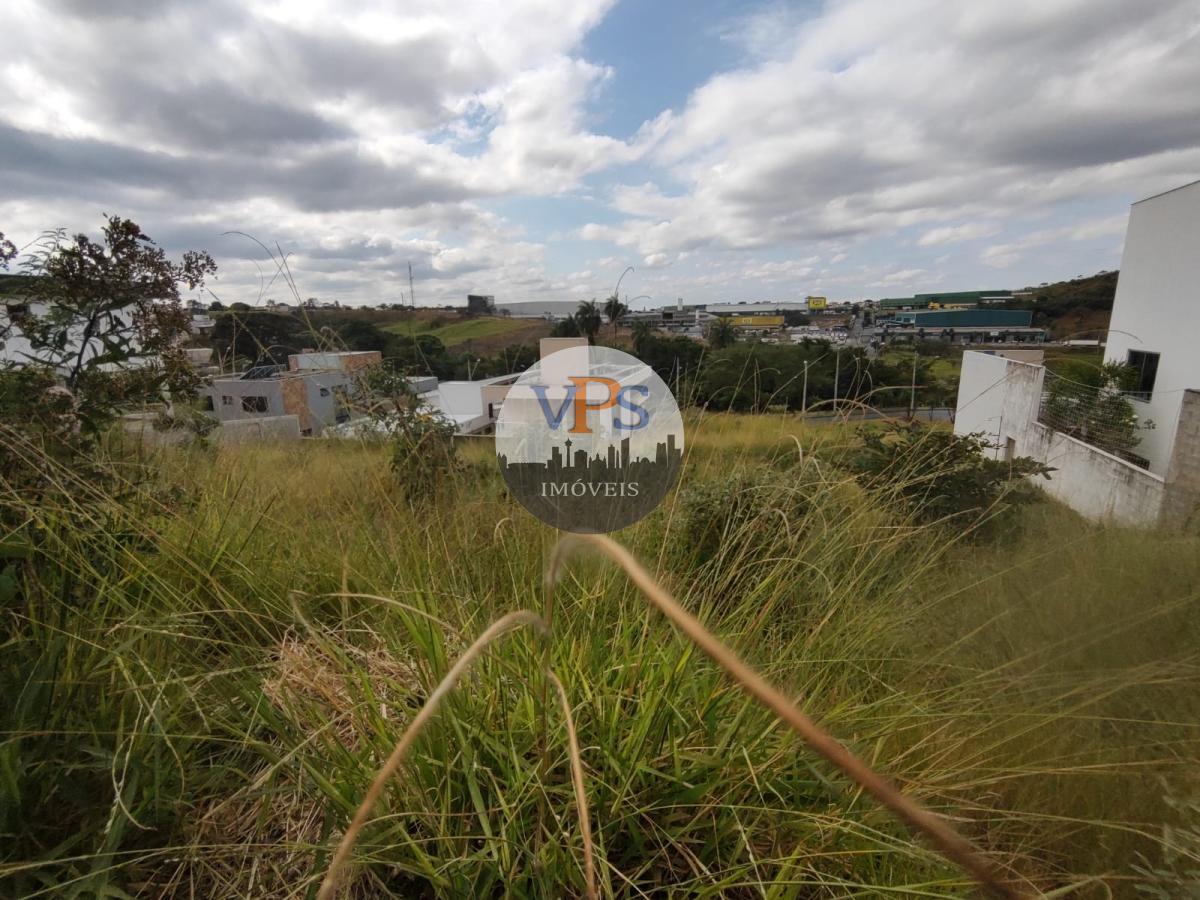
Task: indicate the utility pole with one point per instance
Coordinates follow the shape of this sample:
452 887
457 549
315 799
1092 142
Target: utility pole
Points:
837 369
912 395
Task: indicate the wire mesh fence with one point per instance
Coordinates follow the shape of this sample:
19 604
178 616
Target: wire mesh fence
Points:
1097 414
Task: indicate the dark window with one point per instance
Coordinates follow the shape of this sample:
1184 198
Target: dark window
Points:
1145 367
226 400
254 404
208 403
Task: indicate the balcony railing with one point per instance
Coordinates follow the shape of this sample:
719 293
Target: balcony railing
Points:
1098 415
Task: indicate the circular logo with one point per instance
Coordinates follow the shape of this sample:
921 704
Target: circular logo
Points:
589 439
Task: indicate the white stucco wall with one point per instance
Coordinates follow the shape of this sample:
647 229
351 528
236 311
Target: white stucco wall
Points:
1000 398
997 397
1157 309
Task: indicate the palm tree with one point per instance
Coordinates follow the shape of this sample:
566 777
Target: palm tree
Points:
642 332
720 333
614 309
589 319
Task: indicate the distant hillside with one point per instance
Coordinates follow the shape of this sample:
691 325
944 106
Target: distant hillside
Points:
480 334
1071 308
15 285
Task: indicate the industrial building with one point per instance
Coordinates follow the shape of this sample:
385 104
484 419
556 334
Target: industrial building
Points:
746 316
968 326
945 300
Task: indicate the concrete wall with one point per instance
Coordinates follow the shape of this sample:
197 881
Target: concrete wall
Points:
311 397
346 360
548 345
268 428
1095 484
235 389
1000 397
1181 507
1157 309
997 397
318 399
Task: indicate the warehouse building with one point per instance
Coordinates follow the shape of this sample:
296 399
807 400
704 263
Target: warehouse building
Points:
968 326
945 300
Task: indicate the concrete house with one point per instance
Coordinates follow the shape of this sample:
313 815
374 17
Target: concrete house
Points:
1154 327
316 389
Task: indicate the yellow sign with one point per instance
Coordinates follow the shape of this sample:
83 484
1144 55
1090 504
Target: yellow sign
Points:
817 302
756 321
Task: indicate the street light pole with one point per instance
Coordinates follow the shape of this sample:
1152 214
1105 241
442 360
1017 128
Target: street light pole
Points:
804 396
617 289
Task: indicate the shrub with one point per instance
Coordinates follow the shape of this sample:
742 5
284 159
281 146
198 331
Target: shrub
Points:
938 475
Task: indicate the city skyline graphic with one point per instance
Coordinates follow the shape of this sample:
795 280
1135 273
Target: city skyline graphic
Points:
598 491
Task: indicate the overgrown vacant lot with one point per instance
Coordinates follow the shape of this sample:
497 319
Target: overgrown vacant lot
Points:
201 678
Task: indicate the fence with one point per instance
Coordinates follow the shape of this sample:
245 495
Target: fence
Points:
1099 415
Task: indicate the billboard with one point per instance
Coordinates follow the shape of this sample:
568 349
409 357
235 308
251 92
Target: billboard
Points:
817 302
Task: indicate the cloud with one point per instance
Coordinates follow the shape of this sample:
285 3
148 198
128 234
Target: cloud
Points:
903 276
842 145
955 234
1004 255
877 117
293 120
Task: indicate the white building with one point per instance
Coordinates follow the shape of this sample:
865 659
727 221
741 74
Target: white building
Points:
1154 328
1155 324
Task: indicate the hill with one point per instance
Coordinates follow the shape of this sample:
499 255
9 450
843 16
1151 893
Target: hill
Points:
479 334
1078 308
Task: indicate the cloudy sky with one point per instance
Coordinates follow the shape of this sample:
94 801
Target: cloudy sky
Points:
533 149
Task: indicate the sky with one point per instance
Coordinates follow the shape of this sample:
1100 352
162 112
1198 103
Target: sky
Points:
535 149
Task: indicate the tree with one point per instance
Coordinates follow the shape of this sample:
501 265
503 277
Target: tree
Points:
108 320
643 334
568 327
614 309
260 336
720 333
794 317
480 305
588 319
359 335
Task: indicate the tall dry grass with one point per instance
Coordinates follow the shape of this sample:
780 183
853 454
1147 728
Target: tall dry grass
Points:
203 685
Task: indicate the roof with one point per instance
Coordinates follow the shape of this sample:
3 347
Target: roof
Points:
748 309
255 372
961 295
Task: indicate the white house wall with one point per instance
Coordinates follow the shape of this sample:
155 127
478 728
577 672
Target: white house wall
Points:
1157 309
1000 398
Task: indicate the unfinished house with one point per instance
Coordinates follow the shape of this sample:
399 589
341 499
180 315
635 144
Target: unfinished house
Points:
316 388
